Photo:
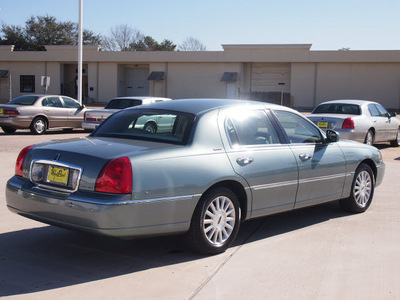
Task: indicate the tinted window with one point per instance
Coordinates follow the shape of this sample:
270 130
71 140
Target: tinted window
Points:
297 128
70 103
251 128
373 110
382 111
24 100
337 108
151 125
122 103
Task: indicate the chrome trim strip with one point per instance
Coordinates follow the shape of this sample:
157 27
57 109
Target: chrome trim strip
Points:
127 202
292 182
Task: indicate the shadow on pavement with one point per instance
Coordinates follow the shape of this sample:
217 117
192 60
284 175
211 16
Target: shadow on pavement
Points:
48 257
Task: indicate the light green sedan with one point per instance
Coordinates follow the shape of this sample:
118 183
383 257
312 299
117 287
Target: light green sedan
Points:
217 163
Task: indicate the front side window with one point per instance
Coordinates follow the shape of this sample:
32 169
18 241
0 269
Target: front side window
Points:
382 111
297 128
250 128
150 125
373 110
27 83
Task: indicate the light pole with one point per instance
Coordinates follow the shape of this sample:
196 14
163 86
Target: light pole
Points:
80 52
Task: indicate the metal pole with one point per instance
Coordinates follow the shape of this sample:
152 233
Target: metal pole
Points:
80 51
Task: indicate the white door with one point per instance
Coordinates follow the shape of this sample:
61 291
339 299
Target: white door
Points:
231 90
136 82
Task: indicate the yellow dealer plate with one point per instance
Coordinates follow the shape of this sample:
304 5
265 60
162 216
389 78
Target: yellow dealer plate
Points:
323 124
58 175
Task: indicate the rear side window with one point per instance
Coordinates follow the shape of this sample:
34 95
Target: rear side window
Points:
52 102
297 128
250 128
70 103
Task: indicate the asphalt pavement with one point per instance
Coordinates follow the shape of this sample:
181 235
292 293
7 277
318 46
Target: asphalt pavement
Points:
313 253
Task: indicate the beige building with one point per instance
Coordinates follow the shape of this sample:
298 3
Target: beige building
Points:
290 74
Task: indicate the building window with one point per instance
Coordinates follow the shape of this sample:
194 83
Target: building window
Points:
27 83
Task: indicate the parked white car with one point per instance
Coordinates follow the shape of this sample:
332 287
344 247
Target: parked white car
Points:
359 120
94 117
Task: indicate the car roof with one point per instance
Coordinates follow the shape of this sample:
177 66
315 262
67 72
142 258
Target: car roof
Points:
198 106
349 101
139 98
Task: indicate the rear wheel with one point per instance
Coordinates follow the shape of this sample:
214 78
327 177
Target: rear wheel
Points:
38 125
369 138
396 142
215 222
362 190
150 127
8 130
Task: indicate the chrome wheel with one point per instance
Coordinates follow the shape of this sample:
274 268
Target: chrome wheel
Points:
363 188
38 126
219 220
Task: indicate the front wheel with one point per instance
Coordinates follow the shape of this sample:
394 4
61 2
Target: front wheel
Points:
150 127
215 222
362 190
38 126
396 142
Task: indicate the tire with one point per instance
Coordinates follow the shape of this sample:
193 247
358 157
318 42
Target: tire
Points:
8 130
362 190
369 138
396 142
69 130
150 127
38 125
215 222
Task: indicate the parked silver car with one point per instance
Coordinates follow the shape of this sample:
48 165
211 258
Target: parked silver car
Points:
359 120
40 112
221 162
94 117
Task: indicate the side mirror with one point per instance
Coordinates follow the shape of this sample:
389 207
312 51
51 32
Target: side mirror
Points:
332 136
82 106
393 114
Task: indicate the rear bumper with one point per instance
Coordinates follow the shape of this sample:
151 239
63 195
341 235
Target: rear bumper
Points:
15 122
90 125
107 214
351 134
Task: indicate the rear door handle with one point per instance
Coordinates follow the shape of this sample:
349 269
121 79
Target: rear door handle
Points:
305 156
244 161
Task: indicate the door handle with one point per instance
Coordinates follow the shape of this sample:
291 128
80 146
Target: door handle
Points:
305 156
244 161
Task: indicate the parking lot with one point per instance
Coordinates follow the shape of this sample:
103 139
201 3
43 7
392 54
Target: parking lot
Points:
313 253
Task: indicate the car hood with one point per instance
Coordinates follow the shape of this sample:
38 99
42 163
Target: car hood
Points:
91 154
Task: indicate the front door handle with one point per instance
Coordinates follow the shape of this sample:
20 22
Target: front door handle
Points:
305 156
244 161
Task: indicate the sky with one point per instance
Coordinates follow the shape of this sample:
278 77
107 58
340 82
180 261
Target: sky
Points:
327 25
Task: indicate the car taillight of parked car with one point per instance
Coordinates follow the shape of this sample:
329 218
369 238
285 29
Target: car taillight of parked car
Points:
11 112
19 165
115 177
348 124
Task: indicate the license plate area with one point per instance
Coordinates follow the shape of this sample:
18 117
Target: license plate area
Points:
58 175
322 124
55 176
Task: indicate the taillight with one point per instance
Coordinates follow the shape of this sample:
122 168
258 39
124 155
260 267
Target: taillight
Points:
348 124
11 112
19 165
88 119
115 177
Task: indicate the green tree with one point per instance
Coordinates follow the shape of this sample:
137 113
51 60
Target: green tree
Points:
44 30
150 44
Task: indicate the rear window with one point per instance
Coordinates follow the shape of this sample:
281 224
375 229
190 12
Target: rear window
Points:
151 125
122 103
337 108
24 100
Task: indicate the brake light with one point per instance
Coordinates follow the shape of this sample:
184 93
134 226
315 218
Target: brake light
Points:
19 165
11 112
88 119
115 177
348 124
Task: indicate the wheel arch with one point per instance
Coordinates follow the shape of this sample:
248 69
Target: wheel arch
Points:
238 189
41 116
372 165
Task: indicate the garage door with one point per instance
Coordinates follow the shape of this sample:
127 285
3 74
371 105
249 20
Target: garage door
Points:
136 82
270 77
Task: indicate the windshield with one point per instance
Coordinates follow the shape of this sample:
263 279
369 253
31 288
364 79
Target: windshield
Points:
151 125
24 100
122 103
337 108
